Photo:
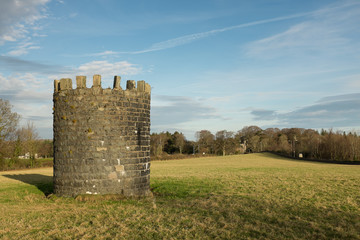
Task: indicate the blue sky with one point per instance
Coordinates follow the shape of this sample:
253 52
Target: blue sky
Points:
214 64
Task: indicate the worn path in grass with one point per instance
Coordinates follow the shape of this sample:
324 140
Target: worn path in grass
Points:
236 197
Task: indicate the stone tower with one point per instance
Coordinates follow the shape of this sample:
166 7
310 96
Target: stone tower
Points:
101 138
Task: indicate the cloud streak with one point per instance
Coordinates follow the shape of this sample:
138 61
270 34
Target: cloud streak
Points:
18 65
23 48
105 67
9 63
196 36
186 39
174 110
335 111
293 36
329 31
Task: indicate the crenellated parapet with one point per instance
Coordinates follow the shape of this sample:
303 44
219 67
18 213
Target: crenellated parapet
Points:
66 84
101 138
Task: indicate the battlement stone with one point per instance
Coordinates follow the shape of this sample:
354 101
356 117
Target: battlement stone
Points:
81 81
66 84
96 80
130 85
117 80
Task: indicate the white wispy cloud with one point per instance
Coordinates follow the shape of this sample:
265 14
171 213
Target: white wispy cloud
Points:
327 31
19 65
186 39
23 48
30 94
22 71
105 53
352 81
7 83
18 16
196 36
106 69
29 87
109 68
334 111
175 110
32 81
317 31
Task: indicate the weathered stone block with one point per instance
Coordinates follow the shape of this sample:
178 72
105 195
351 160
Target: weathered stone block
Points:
80 81
97 80
117 80
56 85
147 88
130 85
65 84
141 86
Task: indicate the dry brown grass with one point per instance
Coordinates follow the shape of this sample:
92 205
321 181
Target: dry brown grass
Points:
257 196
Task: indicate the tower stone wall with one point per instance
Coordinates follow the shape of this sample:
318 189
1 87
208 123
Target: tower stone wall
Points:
101 138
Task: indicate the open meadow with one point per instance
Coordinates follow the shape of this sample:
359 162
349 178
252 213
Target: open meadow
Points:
253 196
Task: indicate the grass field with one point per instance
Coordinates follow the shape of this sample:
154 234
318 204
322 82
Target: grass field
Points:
254 196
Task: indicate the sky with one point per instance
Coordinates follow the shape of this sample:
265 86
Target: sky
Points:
212 64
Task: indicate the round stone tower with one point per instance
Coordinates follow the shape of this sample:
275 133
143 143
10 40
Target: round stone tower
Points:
101 138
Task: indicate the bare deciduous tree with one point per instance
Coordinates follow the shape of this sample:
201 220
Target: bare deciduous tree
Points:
8 124
8 120
179 141
205 140
224 141
28 136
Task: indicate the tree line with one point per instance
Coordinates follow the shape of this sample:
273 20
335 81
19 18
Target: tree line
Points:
19 142
292 142
23 142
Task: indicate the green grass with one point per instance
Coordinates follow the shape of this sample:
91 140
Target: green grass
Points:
254 196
